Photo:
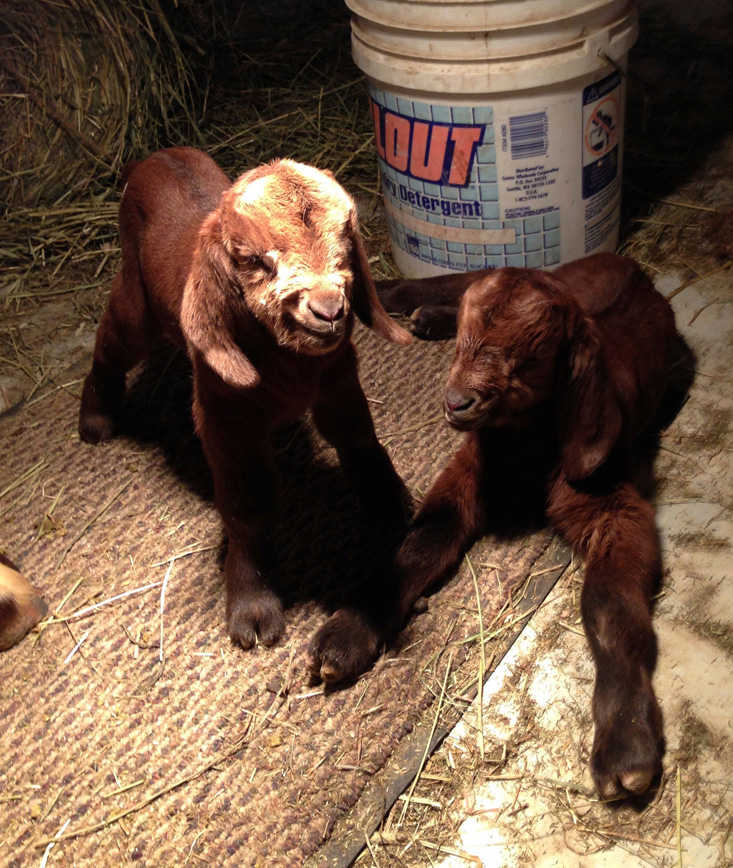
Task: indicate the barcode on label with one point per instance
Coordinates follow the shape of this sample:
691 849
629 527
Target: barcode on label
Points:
528 135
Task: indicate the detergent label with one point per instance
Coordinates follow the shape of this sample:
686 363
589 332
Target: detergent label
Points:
439 153
440 184
528 181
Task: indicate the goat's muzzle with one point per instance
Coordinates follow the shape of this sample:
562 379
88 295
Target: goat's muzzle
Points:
464 409
323 313
327 308
321 316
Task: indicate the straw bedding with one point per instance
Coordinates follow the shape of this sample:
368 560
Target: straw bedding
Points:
213 754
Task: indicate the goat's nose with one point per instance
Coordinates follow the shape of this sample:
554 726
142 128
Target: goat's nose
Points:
458 401
328 306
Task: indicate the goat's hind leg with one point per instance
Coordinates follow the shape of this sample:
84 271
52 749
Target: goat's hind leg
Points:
434 322
618 537
404 295
122 341
430 302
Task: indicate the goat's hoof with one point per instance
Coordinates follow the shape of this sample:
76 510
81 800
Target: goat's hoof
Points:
253 616
420 605
431 322
620 784
344 647
421 323
96 427
627 748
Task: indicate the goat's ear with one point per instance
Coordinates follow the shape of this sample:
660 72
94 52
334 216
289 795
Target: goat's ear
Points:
206 308
589 416
365 301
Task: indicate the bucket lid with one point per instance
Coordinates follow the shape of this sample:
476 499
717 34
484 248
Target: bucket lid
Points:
480 15
490 61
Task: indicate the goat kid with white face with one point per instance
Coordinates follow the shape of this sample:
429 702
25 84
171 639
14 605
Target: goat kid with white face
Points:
259 281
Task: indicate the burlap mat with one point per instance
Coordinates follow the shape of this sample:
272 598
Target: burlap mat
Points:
214 755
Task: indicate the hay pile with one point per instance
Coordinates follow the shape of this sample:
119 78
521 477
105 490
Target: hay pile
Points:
84 84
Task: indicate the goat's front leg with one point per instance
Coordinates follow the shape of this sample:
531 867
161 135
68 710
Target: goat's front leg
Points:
341 414
617 535
450 519
349 642
245 493
446 525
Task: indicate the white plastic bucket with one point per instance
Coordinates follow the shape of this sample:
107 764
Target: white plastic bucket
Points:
499 127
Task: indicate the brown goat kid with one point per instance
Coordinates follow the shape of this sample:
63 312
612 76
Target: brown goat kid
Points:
561 381
259 281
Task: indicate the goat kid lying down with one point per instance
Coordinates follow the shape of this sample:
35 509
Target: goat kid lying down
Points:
561 381
259 281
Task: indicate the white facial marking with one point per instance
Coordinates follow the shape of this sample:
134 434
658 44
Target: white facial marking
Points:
288 280
252 193
323 180
270 259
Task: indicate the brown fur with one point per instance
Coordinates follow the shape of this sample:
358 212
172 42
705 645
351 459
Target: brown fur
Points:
562 381
259 281
20 606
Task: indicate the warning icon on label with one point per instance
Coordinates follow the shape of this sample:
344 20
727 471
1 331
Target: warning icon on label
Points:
602 103
601 128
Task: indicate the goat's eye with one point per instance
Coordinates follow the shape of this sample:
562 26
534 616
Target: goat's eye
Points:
262 261
489 354
529 367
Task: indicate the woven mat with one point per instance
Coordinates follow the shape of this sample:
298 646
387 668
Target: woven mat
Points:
215 754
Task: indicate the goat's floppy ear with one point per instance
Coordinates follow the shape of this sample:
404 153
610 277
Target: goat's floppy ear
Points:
589 415
206 315
365 301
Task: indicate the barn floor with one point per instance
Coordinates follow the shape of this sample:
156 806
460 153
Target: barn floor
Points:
526 798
